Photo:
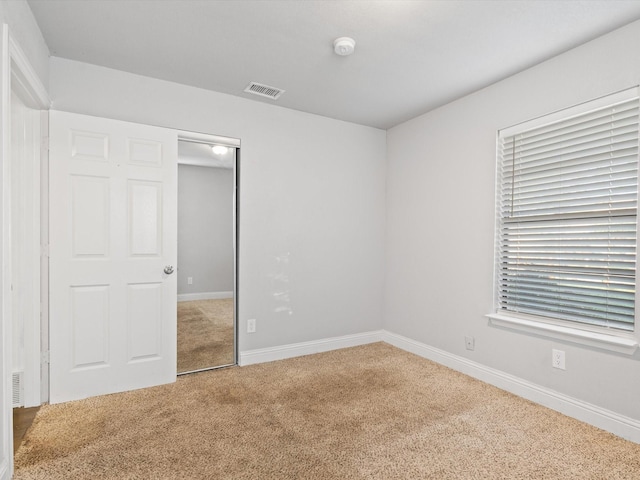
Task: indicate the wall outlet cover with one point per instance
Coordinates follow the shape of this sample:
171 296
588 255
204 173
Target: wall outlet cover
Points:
251 325
470 343
557 359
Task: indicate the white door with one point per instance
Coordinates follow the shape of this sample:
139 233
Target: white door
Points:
113 231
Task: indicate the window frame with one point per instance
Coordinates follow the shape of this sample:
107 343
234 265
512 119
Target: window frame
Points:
606 338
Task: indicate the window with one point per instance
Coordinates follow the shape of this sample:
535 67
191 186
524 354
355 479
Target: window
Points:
567 216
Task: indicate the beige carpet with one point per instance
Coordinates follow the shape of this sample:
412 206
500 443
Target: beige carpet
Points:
205 334
371 412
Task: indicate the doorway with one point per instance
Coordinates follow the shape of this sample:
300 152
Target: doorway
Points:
207 294
25 228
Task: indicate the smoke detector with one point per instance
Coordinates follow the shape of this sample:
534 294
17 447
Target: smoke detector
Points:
344 46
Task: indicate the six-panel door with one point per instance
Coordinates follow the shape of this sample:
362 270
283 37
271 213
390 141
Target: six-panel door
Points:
113 230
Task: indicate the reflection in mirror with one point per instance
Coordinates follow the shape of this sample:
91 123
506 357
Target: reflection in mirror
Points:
206 185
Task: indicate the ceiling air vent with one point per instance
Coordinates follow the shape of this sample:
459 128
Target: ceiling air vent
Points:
264 90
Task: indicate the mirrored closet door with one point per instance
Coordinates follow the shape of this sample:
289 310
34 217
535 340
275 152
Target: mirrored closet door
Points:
206 255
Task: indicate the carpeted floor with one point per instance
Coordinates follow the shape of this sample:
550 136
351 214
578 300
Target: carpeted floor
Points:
205 334
370 412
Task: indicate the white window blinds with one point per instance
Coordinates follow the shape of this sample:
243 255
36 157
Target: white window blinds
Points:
567 208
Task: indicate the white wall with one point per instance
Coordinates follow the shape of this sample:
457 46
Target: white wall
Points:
440 223
205 229
312 199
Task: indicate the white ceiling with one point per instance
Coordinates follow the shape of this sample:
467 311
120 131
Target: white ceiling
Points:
410 57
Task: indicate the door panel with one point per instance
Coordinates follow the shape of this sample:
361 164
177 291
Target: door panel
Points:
90 326
113 230
144 307
89 216
145 218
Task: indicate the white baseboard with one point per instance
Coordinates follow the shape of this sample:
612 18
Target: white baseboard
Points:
620 425
262 355
615 423
187 297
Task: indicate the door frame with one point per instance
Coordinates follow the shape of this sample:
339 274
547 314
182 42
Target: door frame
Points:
18 75
210 139
26 267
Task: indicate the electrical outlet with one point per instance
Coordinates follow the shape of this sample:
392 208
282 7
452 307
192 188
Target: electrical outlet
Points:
557 359
251 325
189 280
470 343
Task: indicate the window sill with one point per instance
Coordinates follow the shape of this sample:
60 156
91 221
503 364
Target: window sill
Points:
615 343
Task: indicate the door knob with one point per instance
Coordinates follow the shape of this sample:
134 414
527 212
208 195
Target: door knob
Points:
168 269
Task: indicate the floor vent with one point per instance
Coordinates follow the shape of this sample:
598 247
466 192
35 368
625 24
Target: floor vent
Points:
18 390
264 90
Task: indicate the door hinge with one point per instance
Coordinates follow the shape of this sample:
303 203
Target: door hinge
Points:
44 251
44 357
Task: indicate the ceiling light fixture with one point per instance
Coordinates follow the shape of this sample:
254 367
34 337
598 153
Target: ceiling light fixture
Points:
344 46
219 149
